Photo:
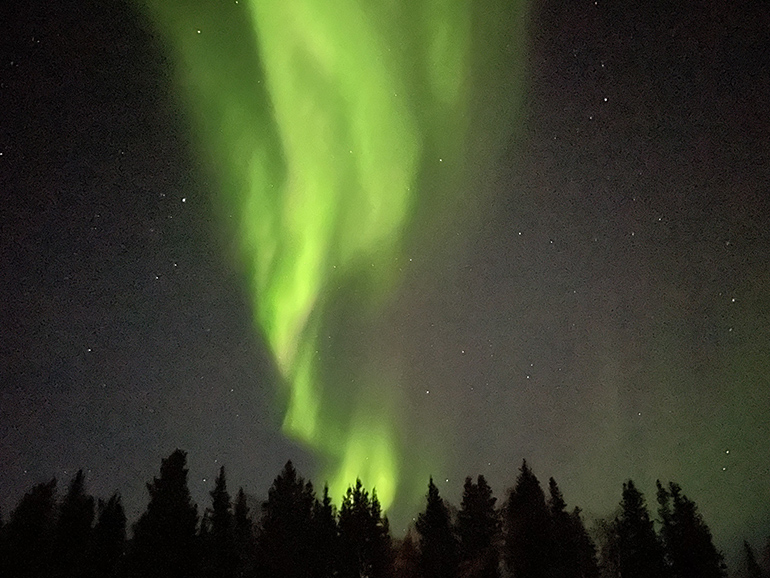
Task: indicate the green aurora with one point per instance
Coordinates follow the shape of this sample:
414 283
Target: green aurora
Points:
342 134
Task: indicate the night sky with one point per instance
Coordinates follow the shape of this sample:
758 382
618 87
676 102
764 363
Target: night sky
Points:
597 301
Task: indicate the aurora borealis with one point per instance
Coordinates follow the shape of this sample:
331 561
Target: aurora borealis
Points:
389 239
320 123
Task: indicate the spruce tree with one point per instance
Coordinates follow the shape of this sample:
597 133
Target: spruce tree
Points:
244 537
284 543
164 544
325 537
109 537
478 530
438 544
639 552
752 567
407 558
574 553
73 530
365 546
29 533
218 542
690 550
528 539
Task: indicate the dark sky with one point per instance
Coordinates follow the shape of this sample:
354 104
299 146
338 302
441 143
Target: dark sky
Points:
606 315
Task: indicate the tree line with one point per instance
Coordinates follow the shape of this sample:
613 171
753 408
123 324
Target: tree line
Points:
299 534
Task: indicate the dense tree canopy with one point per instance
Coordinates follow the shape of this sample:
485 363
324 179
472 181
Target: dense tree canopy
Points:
165 537
295 534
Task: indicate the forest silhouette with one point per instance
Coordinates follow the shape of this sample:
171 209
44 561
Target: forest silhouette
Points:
297 533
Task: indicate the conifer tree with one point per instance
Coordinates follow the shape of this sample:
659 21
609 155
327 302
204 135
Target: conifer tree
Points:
690 550
164 544
438 545
29 533
587 562
365 546
244 537
478 530
407 558
109 536
218 542
752 567
574 553
528 542
639 552
73 530
284 543
325 537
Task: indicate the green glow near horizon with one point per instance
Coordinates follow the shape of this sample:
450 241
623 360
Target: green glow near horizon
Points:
319 116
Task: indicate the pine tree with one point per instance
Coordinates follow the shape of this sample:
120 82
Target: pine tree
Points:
640 554
574 553
478 530
365 546
30 531
284 542
244 537
109 537
164 544
752 567
407 558
325 537
438 545
690 550
528 540
73 530
609 550
218 541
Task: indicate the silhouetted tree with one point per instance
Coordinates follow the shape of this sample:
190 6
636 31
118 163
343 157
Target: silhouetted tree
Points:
109 537
244 537
478 530
73 530
218 541
574 553
29 533
689 548
640 554
751 566
164 543
407 558
606 532
284 542
365 546
528 542
439 553
325 537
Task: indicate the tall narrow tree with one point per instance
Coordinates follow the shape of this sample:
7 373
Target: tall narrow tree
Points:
73 530
109 537
689 547
574 554
284 542
640 554
365 546
751 566
29 533
527 523
438 543
325 537
407 558
218 545
164 543
478 530
244 537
